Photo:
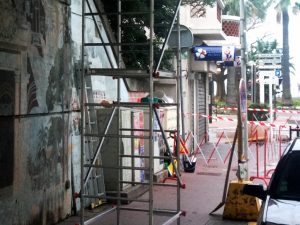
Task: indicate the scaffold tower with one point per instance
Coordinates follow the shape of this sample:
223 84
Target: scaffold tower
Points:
105 125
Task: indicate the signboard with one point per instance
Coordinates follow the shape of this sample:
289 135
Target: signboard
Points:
278 73
243 100
269 61
186 37
214 53
224 54
265 75
236 63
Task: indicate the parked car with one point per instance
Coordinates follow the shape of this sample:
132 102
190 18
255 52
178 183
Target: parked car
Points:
281 200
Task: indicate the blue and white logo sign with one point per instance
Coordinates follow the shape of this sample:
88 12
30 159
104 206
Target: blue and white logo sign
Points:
228 53
237 61
214 53
278 73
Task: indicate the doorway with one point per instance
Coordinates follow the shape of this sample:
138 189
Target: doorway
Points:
7 109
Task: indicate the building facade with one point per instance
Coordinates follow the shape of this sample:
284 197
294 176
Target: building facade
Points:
40 51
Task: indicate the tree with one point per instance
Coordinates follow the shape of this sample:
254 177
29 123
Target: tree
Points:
136 25
219 78
282 8
259 47
262 47
255 14
255 10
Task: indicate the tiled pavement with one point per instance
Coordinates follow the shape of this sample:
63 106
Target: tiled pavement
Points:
203 193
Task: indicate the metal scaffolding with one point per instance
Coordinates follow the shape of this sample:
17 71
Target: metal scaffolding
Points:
94 135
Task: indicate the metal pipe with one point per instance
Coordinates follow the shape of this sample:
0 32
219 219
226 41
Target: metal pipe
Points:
168 36
115 167
151 121
116 136
179 106
127 199
145 156
98 148
99 33
98 216
172 219
82 139
176 167
154 183
157 211
132 148
145 130
243 157
179 74
119 185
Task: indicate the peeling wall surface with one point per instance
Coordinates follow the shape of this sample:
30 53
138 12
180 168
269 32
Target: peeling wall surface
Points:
40 49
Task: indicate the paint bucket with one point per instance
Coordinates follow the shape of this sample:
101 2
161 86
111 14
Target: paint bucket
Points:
190 166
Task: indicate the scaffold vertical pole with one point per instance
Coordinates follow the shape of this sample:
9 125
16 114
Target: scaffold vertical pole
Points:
119 187
180 106
151 121
243 151
82 94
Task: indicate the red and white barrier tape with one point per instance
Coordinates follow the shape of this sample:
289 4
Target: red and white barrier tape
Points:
262 123
259 123
261 110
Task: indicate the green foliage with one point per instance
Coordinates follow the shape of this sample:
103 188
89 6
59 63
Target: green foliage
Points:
204 2
258 8
262 47
135 27
279 104
259 115
282 7
220 104
296 102
232 7
255 10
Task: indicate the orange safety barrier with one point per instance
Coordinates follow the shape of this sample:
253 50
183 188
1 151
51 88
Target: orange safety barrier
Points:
188 164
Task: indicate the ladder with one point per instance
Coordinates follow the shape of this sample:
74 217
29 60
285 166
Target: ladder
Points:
93 137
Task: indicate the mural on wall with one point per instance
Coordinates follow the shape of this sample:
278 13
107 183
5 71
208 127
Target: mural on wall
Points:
55 91
77 76
31 89
7 101
34 174
8 18
46 166
75 106
50 215
35 15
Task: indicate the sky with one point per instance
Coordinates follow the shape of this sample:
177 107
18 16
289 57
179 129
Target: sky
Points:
273 30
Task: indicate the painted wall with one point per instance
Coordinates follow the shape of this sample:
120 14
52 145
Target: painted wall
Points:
40 136
209 21
35 53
